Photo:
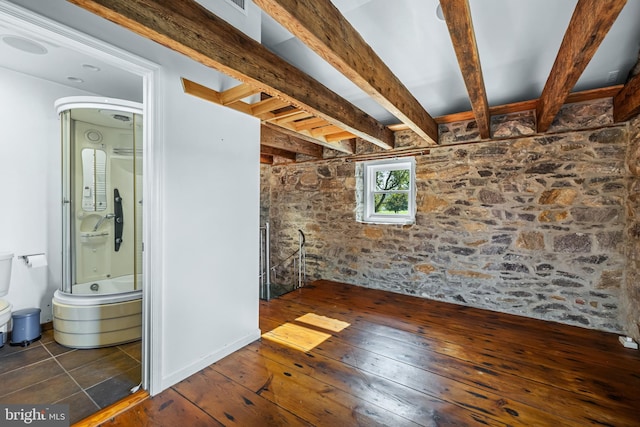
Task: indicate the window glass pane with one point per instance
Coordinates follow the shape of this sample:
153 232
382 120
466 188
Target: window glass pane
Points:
391 204
392 179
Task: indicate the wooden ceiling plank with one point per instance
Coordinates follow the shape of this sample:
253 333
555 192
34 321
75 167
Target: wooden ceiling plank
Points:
340 136
267 105
589 24
283 114
343 146
325 130
311 123
457 15
321 26
208 94
266 160
200 91
292 118
192 30
273 136
626 103
237 93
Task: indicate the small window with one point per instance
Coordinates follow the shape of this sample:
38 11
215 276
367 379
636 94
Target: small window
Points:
389 191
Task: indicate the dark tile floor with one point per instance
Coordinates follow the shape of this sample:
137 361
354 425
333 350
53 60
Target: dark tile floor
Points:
87 380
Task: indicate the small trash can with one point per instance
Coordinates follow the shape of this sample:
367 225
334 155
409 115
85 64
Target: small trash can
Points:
26 326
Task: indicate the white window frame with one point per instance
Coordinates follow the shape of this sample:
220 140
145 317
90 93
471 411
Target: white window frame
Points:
369 175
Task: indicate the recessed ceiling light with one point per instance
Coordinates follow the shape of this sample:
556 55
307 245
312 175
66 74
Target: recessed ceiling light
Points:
24 45
75 79
439 13
90 67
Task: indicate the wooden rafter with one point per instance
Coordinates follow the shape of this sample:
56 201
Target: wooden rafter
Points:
192 30
270 151
271 136
589 24
322 27
458 17
286 119
237 93
587 95
626 103
347 146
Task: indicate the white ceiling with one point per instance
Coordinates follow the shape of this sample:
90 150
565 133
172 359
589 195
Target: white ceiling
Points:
59 63
517 42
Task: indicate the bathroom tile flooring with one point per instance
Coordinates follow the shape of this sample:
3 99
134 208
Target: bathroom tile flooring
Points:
87 380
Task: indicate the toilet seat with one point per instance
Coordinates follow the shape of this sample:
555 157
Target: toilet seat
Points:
4 305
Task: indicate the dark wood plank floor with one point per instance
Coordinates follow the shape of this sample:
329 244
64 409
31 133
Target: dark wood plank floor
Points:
407 361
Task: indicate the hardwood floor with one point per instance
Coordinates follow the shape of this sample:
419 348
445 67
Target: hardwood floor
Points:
404 361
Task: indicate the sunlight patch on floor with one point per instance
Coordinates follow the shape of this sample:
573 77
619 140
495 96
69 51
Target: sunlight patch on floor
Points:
323 322
296 336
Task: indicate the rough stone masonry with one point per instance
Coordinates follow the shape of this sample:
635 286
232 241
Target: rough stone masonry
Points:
533 225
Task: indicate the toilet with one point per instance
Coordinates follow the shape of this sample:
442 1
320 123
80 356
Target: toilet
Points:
5 308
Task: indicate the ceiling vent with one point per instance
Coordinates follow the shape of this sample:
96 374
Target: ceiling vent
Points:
239 4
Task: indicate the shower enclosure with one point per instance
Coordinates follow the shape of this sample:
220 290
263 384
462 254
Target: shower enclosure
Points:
100 300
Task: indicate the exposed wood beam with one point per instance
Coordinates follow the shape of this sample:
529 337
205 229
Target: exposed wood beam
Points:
270 151
300 115
271 136
341 136
458 17
236 93
346 146
266 160
589 24
325 130
267 105
310 123
582 96
322 27
626 103
192 30
284 121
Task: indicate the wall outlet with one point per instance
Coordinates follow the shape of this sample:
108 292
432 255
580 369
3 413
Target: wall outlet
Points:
628 342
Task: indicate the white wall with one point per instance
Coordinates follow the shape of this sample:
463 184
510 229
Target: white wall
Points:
30 217
207 288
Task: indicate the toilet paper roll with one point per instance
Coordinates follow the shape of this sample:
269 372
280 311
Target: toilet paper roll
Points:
37 261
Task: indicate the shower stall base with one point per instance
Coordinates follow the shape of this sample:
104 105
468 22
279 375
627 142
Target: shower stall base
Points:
92 320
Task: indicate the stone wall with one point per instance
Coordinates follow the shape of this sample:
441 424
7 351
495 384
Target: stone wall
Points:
630 298
533 225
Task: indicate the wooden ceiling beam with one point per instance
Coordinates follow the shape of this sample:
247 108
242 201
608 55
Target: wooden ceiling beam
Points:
325 130
340 136
272 136
457 14
626 103
237 93
321 26
190 29
270 151
267 105
285 123
309 124
344 146
589 24
300 115
516 107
